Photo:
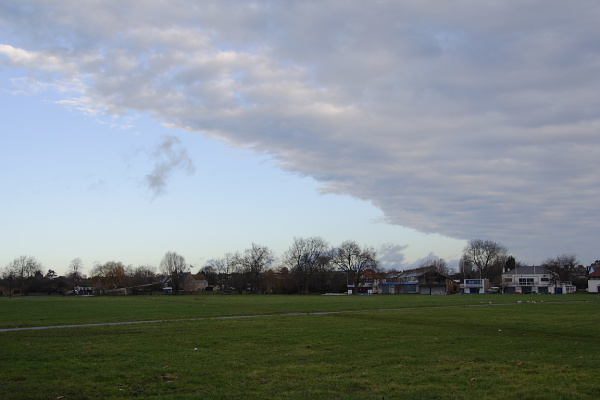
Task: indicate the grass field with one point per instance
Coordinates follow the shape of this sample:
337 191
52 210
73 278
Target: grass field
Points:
369 347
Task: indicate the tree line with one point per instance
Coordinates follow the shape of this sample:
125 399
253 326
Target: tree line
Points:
309 265
488 260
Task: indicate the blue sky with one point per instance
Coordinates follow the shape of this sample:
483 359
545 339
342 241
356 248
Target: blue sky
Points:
77 187
133 128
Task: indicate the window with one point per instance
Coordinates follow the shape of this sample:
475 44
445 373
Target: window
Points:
545 279
525 281
507 279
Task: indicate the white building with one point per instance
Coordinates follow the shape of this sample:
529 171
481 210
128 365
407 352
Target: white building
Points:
534 279
475 286
594 282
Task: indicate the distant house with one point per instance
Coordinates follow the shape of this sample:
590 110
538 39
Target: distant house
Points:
192 284
534 279
425 280
594 281
83 290
201 284
369 283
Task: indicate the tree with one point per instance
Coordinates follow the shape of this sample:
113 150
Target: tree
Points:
110 275
353 260
224 270
438 263
142 275
510 263
22 269
305 258
564 267
173 265
486 256
253 263
75 270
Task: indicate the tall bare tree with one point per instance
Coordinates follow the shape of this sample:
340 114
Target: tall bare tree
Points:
254 262
75 270
173 265
486 256
224 269
354 260
305 258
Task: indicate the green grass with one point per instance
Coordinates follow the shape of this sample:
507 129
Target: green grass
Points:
56 310
405 347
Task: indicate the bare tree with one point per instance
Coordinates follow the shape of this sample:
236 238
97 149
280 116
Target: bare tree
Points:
142 275
22 268
564 267
173 265
224 269
254 262
354 260
305 258
438 263
486 256
75 270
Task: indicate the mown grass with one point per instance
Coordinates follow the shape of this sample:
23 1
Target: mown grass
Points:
56 310
422 349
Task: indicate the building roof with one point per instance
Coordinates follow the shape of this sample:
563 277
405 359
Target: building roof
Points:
416 273
528 270
370 274
595 274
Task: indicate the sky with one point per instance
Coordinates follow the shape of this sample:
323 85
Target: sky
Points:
133 128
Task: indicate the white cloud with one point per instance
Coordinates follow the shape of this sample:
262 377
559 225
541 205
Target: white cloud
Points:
470 119
391 256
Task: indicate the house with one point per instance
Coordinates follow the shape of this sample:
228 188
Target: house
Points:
191 283
83 290
201 284
534 279
594 281
424 280
369 283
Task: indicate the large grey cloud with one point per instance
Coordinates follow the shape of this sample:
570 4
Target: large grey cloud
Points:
470 119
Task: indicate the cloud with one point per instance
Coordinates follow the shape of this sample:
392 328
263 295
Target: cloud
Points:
169 157
471 119
391 256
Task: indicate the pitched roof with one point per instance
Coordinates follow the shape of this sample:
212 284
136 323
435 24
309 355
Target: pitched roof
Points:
595 274
370 274
529 270
416 273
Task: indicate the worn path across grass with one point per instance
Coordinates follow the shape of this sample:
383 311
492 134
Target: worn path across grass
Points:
481 303
21 312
